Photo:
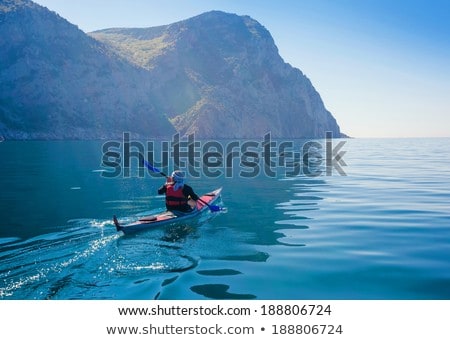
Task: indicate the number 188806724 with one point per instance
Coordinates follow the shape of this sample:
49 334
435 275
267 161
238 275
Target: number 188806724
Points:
296 310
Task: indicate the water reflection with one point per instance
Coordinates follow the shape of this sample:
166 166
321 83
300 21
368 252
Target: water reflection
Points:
219 291
306 197
219 272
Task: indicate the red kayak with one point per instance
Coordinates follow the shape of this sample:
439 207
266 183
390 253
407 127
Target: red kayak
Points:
204 204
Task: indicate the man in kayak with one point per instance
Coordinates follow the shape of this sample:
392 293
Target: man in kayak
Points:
177 193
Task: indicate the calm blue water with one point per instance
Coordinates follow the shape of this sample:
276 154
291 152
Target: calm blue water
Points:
381 232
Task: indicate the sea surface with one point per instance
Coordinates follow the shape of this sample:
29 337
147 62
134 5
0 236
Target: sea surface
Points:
377 228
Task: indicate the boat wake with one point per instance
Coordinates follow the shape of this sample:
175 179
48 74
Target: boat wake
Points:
89 258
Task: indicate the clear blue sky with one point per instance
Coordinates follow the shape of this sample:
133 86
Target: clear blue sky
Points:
382 67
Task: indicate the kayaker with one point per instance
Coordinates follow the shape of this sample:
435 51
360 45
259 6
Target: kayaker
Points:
177 192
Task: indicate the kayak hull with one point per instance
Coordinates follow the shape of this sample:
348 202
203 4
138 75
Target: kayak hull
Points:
168 217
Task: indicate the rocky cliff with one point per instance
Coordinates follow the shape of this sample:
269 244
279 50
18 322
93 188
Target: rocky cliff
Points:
216 75
57 82
220 75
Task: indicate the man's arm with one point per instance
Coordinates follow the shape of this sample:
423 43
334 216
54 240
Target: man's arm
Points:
162 190
188 191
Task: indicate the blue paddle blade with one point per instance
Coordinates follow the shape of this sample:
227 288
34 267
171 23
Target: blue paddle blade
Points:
214 208
151 167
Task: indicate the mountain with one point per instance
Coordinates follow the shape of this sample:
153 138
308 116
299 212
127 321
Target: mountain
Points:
56 82
220 75
217 75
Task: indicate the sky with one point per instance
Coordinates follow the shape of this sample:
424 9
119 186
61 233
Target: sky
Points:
382 67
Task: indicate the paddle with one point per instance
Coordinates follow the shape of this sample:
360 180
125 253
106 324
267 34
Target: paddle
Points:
213 208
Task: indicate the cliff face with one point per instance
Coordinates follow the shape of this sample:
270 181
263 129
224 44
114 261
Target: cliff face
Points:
216 75
220 75
56 82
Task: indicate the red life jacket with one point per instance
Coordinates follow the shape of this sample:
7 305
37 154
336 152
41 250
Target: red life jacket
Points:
174 198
